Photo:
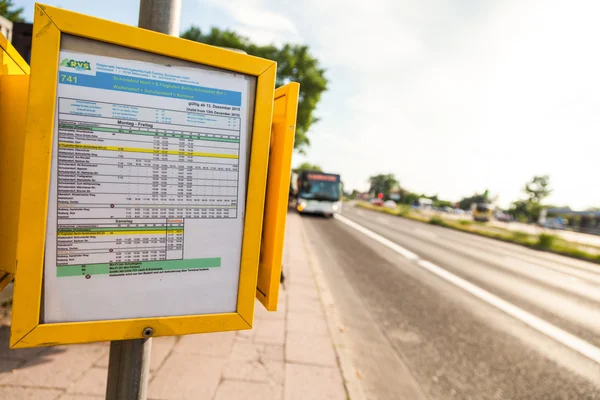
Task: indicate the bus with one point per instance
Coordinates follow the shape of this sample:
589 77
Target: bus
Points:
318 193
482 212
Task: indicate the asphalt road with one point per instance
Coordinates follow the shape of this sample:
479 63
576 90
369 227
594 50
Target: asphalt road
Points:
415 335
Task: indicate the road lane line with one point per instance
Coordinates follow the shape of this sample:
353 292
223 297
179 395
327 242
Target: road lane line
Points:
565 338
388 243
573 342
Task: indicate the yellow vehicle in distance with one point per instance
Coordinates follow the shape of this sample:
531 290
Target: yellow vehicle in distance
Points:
482 212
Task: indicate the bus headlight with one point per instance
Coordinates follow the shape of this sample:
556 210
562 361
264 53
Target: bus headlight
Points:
301 206
334 207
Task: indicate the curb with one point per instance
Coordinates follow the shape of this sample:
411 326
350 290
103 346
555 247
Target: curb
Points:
352 383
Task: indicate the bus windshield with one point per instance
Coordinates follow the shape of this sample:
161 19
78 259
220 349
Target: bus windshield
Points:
483 208
320 190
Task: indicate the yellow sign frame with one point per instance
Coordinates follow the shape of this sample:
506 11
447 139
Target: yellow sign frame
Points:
14 86
49 24
16 65
285 109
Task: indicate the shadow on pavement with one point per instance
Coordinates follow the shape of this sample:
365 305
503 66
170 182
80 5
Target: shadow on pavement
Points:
23 357
292 210
317 216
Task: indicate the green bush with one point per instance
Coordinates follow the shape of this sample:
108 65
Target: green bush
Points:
392 211
404 210
571 249
542 242
573 252
520 237
546 241
386 210
436 221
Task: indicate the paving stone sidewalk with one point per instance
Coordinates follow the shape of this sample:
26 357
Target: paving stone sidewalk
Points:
287 355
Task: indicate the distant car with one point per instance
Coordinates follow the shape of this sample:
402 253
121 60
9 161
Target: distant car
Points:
503 217
377 202
555 223
390 204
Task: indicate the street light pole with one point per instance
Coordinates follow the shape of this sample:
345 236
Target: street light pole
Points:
129 360
160 16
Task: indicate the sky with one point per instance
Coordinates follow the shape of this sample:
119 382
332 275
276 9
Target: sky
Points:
451 96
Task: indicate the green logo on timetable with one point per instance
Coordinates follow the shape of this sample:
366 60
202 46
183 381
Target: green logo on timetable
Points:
78 65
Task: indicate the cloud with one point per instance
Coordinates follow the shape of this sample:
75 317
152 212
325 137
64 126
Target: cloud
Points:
357 35
452 97
258 22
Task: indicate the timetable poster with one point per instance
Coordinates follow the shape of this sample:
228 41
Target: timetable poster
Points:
147 190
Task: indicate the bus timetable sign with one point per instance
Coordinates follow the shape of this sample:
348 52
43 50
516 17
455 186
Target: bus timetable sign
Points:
146 161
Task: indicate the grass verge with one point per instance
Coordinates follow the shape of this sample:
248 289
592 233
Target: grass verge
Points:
542 242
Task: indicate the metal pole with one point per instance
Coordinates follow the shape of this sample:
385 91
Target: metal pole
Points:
128 369
160 16
129 360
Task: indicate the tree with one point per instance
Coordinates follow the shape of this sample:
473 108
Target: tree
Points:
8 11
382 183
443 204
538 189
407 197
294 64
307 167
519 210
354 194
465 202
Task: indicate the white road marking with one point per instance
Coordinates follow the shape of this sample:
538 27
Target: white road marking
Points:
571 341
388 243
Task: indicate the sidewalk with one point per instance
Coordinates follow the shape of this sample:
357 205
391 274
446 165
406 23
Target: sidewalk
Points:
287 355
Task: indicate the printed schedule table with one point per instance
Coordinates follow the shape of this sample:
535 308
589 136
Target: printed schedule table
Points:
133 168
138 173
86 249
148 186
